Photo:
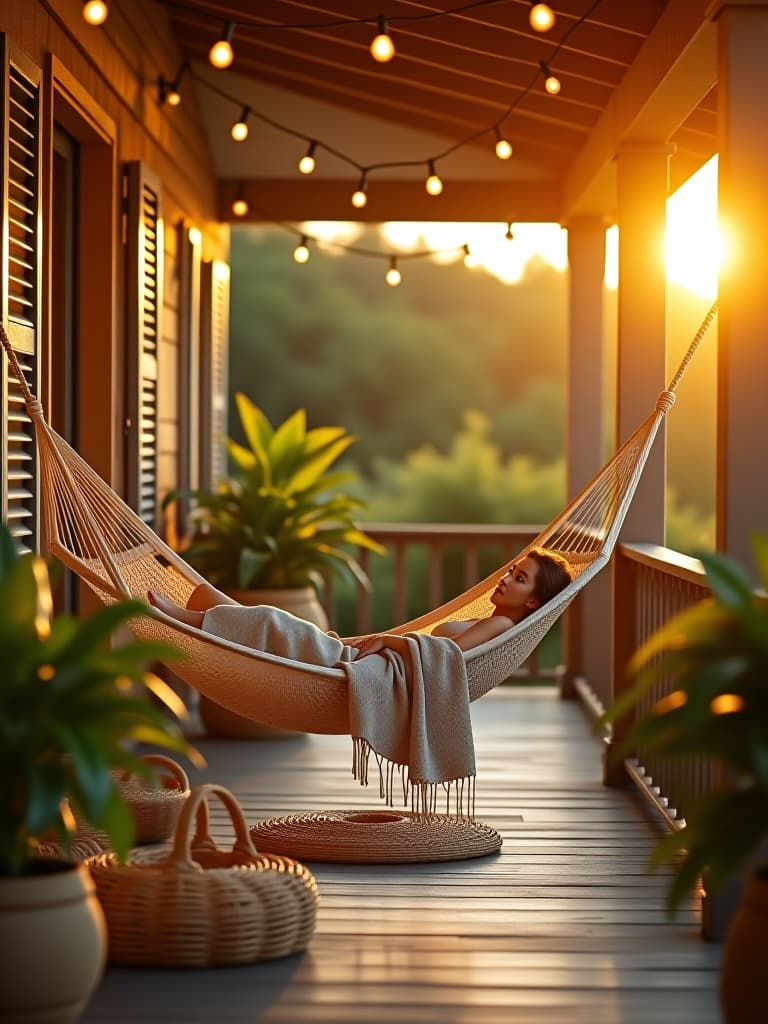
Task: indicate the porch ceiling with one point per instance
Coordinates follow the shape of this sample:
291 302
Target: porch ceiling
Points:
631 73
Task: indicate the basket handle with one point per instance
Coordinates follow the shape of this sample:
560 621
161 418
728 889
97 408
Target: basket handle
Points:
196 806
171 767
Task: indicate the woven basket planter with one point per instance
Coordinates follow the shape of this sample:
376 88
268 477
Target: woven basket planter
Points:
155 811
199 906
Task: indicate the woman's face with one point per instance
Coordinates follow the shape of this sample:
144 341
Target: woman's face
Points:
515 591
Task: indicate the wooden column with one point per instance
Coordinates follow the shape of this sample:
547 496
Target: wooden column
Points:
643 177
742 387
585 433
643 185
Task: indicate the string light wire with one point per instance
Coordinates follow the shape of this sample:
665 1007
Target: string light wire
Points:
364 170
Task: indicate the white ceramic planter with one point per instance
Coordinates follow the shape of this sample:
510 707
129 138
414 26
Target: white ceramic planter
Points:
53 944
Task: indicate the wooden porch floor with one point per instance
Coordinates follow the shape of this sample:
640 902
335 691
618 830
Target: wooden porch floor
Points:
563 925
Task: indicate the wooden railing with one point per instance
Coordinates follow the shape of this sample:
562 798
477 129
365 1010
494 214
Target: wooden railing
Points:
472 546
652 585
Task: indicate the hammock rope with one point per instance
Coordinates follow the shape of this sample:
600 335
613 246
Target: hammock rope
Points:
89 528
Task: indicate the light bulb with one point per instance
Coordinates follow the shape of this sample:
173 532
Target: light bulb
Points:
509 236
382 47
307 162
503 148
552 85
433 184
239 130
469 259
173 96
95 12
393 277
541 17
301 252
220 54
240 207
360 197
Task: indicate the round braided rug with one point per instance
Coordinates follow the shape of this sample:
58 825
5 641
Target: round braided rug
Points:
375 837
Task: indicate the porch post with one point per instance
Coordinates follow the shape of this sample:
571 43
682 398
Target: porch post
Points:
742 409
585 435
643 185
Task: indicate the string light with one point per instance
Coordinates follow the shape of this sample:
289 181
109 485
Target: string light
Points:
360 196
301 252
503 147
240 203
382 47
469 259
393 277
220 54
95 12
169 92
551 82
239 130
433 184
307 162
541 17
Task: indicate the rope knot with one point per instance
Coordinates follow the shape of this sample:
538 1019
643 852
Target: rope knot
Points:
665 401
34 407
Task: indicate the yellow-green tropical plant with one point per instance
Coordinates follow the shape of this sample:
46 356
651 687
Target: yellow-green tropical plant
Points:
714 658
72 709
280 519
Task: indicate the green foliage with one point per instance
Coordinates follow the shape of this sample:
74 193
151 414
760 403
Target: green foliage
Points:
716 656
400 365
280 519
70 706
689 527
471 483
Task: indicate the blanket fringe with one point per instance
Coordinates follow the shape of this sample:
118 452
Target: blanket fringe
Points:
420 795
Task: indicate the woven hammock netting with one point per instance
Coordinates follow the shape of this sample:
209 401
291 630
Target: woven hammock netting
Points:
89 528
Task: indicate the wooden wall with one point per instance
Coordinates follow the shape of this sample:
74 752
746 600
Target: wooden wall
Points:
114 70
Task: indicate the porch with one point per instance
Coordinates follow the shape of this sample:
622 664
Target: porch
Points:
565 923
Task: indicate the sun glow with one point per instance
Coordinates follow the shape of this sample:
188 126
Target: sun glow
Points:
694 244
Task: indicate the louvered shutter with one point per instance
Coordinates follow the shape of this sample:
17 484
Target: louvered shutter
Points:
189 259
144 306
214 352
20 283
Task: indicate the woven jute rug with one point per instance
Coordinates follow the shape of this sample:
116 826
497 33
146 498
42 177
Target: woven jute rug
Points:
375 837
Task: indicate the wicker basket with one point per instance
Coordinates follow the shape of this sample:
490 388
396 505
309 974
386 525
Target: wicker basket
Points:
199 906
155 810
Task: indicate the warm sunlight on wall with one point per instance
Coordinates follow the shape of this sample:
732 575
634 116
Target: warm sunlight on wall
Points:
694 247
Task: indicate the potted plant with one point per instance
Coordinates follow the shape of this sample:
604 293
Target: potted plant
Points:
70 708
269 532
716 656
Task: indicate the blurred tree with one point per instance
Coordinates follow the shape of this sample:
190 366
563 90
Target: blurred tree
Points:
398 367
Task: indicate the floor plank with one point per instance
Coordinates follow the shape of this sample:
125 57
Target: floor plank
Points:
565 923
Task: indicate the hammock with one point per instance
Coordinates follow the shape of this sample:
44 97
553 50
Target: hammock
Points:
99 537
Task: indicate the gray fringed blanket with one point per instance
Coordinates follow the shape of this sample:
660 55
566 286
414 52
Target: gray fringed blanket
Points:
412 713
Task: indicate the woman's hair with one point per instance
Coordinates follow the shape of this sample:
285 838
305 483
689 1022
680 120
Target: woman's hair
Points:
555 573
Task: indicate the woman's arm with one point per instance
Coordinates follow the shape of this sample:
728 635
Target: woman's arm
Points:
481 631
477 633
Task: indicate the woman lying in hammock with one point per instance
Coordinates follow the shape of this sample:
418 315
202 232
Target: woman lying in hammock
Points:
526 585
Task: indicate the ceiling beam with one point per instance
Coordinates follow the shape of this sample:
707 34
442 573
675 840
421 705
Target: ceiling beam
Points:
279 200
672 73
